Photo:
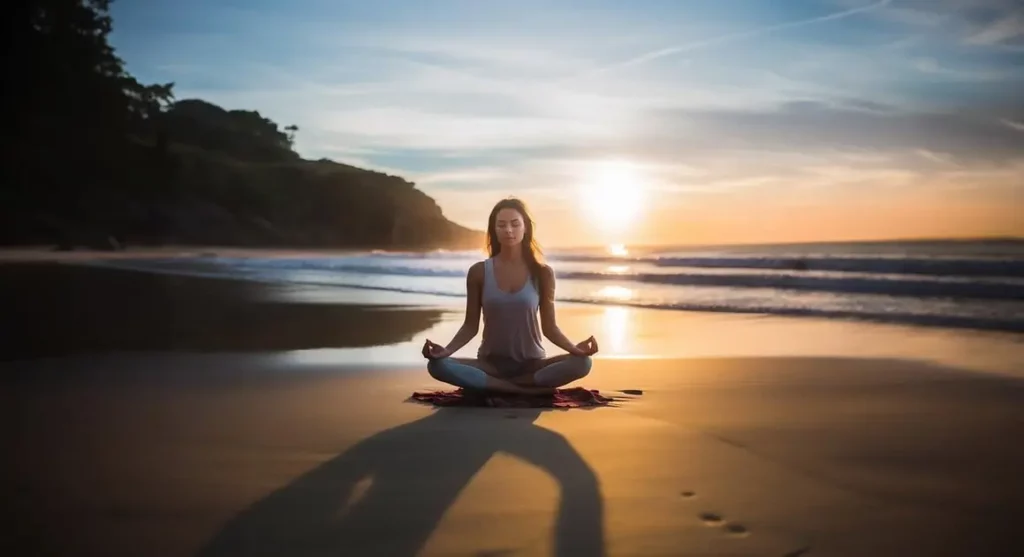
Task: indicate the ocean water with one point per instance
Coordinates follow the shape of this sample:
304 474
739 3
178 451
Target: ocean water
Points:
968 284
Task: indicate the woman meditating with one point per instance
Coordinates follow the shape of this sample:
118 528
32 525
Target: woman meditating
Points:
510 288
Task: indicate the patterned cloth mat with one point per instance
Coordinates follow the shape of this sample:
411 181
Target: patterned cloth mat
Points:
575 397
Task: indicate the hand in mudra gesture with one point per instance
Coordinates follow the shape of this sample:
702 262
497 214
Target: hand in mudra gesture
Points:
587 347
434 351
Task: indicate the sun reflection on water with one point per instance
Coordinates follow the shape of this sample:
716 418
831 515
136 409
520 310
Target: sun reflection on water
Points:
616 324
615 293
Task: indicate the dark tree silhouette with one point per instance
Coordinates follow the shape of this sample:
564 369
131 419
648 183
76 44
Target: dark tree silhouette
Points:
62 74
96 158
291 130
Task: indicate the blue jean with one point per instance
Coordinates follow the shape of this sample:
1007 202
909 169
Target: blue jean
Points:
555 374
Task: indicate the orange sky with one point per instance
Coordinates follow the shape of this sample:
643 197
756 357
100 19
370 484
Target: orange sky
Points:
769 216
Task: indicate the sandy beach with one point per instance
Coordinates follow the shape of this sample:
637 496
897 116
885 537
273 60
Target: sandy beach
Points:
166 416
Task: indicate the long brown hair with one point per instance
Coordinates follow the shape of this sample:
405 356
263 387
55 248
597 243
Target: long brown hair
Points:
531 249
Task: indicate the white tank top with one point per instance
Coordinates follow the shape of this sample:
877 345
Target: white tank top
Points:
511 327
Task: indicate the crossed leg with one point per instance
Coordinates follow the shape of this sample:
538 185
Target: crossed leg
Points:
540 377
555 371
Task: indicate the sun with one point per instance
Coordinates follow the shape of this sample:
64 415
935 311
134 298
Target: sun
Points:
613 194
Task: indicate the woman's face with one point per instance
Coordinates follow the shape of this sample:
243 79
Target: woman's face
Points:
510 226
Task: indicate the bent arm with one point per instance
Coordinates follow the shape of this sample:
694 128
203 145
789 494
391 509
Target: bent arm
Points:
548 323
471 323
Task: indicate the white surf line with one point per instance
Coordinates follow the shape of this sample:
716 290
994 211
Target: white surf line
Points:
653 55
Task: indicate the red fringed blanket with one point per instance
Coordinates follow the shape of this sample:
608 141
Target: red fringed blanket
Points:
576 397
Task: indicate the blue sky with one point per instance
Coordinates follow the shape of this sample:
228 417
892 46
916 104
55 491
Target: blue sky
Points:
734 116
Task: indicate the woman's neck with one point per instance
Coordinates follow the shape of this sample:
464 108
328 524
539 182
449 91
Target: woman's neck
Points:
511 255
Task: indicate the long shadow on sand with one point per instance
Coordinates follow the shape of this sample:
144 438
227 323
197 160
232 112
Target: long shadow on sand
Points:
404 479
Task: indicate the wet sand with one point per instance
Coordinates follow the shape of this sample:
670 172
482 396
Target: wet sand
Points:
58 309
278 453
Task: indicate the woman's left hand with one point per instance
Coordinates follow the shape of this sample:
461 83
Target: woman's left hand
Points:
586 348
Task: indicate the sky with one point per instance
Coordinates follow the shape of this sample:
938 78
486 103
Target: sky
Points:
641 122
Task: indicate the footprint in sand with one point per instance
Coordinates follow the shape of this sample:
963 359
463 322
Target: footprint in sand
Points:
711 519
730 528
738 530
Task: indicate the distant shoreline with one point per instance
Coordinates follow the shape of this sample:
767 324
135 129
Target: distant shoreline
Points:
47 253
1010 240
9 251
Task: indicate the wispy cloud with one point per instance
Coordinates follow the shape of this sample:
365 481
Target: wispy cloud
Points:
1002 30
476 176
934 67
731 37
940 158
991 23
484 54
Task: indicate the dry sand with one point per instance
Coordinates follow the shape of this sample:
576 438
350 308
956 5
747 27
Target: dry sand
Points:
783 453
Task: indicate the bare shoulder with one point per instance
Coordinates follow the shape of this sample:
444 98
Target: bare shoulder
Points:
547 274
476 272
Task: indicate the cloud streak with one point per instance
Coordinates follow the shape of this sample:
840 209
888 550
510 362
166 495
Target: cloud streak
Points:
815 127
1000 31
732 37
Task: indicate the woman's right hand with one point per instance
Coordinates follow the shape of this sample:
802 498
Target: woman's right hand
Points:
585 348
434 351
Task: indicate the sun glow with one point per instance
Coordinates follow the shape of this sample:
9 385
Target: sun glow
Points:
618 250
613 194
